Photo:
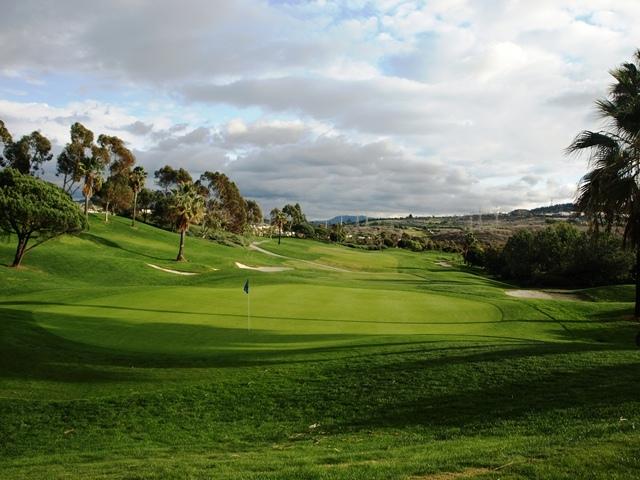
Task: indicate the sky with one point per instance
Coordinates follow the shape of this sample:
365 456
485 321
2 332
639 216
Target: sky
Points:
356 107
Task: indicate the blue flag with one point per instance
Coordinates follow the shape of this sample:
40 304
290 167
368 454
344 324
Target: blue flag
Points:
246 287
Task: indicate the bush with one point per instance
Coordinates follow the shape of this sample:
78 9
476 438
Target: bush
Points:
560 255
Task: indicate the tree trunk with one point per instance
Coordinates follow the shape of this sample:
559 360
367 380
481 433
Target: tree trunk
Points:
180 256
279 234
22 246
86 206
135 202
106 213
637 309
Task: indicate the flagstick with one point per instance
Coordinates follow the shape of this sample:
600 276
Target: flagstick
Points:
248 314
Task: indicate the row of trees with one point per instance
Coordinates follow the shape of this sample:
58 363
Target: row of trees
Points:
81 164
104 171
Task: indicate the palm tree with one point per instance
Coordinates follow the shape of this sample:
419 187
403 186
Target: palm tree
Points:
278 219
186 207
136 181
91 169
609 194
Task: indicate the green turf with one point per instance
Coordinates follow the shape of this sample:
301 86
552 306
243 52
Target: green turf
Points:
358 365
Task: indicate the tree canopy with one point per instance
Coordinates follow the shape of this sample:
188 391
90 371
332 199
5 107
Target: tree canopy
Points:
167 177
74 155
33 209
27 154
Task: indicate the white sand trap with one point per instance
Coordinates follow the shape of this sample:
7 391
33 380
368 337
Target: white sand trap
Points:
444 264
540 295
172 271
529 294
262 269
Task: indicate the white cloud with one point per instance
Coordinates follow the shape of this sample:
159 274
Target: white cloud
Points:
429 106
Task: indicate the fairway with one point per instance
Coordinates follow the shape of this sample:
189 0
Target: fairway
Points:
386 365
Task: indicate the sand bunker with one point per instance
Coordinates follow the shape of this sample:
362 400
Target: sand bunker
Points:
540 295
262 269
177 272
444 264
529 294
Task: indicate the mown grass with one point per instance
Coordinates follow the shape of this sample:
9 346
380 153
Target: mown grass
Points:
397 368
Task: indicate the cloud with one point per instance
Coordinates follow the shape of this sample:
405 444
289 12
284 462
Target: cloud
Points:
137 128
446 105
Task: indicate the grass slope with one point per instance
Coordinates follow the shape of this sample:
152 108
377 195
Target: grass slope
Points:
397 368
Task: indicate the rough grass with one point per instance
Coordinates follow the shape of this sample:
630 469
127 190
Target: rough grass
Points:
400 368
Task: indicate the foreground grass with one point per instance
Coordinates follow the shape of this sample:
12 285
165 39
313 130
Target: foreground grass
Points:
398 368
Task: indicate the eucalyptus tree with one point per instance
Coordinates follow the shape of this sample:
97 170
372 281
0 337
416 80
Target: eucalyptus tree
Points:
167 177
27 154
137 179
112 153
254 212
73 156
186 207
609 194
115 194
225 201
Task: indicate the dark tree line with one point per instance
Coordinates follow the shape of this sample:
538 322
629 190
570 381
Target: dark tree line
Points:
559 255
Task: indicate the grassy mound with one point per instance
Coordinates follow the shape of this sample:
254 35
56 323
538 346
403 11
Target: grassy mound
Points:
389 365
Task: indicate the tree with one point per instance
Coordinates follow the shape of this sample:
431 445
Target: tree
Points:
145 200
110 151
35 210
609 193
5 139
167 177
27 154
74 155
119 158
225 202
337 233
115 193
254 212
294 212
136 182
91 169
186 207
279 220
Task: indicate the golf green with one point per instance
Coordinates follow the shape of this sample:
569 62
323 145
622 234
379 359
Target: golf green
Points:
172 319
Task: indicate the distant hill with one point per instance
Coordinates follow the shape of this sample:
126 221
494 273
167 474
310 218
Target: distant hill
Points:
345 219
558 208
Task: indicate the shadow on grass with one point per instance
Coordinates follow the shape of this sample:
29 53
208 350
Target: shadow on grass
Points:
451 384
111 244
32 351
548 320
563 390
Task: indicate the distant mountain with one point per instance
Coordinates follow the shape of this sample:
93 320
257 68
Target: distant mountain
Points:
345 219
